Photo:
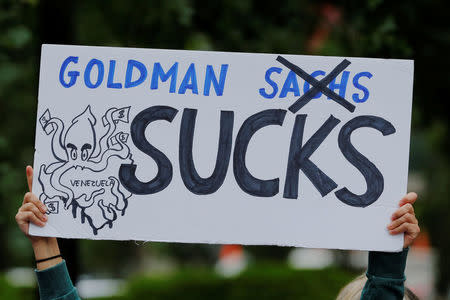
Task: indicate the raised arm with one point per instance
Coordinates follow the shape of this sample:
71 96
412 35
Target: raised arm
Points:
385 274
51 271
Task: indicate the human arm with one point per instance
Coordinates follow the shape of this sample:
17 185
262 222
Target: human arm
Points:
53 278
385 273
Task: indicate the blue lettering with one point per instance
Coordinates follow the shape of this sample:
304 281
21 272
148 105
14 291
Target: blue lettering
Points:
111 84
87 73
357 85
158 72
342 86
72 74
290 85
307 86
129 73
273 84
211 77
189 81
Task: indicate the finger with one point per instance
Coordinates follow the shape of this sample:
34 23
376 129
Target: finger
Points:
413 231
28 216
29 171
407 208
405 227
31 198
33 208
411 235
406 218
408 198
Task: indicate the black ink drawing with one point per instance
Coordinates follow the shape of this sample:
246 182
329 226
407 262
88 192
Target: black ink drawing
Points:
52 207
83 176
317 86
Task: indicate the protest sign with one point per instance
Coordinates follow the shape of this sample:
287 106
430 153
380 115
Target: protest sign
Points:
215 147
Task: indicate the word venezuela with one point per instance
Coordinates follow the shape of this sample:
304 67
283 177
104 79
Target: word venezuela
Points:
300 151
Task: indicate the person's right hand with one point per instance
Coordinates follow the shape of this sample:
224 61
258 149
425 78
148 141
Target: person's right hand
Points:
404 220
32 209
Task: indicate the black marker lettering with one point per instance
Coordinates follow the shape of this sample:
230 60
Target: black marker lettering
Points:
248 183
299 158
191 179
373 177
127 172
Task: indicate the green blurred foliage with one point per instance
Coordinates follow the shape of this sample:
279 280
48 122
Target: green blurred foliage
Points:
8 291
18 84
258 282
377 28
262 281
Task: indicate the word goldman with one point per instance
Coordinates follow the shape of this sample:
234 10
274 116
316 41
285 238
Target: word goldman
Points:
298 160
136 74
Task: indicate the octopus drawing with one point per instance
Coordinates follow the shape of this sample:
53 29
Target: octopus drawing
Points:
83 177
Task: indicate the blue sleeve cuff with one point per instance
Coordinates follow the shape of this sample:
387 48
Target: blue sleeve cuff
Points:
55 283
387 264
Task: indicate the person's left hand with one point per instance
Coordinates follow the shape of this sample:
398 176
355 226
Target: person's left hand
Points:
404 220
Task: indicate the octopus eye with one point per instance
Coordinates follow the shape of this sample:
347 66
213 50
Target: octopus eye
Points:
84 154
84 151
73 154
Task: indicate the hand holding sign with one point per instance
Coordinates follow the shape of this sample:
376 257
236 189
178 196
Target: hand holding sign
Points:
404 220
34 211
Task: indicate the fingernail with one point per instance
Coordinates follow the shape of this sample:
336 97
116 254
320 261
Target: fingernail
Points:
45 217
44 208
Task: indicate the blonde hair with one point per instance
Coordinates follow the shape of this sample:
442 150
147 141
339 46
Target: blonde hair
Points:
353 290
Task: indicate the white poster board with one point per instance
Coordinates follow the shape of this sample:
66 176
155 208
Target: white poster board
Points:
215 147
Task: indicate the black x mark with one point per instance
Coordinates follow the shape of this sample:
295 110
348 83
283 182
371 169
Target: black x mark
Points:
317 86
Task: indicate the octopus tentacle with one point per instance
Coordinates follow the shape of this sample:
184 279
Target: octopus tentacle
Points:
53 166
121 201
57 140
55 181
123 152
108 212
50 182
104 140
84 202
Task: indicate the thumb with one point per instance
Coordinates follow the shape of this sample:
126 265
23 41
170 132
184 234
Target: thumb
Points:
29 171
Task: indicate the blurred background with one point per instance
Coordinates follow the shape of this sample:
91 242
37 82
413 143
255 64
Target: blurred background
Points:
133 270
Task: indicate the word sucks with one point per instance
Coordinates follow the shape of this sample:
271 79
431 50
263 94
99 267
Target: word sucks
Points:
300 152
